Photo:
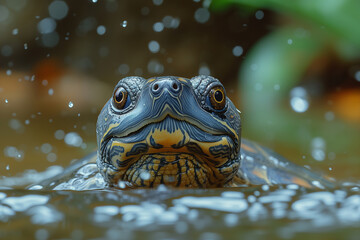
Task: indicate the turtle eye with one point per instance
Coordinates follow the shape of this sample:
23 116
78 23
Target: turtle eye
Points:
120 98
217 98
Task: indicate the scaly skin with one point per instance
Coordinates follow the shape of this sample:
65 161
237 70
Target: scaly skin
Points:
177 132
184 133
169 133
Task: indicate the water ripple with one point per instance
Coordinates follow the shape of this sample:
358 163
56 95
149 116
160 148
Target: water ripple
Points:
214 203
23 203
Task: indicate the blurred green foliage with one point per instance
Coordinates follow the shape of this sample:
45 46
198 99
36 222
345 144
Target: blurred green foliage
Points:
279 61
339 17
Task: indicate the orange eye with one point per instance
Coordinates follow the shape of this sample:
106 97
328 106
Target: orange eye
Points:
120 98
217 98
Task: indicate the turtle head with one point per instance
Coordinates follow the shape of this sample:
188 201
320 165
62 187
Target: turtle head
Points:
169 130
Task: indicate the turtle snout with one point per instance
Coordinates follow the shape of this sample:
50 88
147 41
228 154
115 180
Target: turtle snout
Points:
171 85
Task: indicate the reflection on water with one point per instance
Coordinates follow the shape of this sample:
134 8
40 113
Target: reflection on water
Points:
280 212
50 54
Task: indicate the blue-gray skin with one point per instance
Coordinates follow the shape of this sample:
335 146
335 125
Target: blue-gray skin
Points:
207 149
177 132
169 133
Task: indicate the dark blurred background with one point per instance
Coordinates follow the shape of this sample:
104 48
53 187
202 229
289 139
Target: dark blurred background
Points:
293 69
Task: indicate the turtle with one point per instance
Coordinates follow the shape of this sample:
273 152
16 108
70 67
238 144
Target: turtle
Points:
178 132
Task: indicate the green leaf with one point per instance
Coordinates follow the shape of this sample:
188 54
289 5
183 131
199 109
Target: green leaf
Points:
339 17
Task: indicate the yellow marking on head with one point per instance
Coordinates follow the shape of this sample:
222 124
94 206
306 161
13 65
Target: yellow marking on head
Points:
111 126
182 80
205 146
228 127
122 156
151 80
166 138
247 148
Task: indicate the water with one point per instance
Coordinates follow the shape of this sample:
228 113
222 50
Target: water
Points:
147 39
250 213
280 212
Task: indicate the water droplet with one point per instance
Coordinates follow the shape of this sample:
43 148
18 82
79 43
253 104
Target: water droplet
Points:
8 167
259 15
318 145
59 134
94 1
47 25
122 184
27 122
254 67
44 82
51 92
157 2
231 220
251 199
155 67
237 51
50 40
46 148
357 76
6 101
329 116
13 152
204 70
71 104
51 157
101 30
318 184
6 51
158 27
145 175
206 3
299 99
123 69
58 9
73 139
289 41
171 22
15 31
124 24
202 15
154 46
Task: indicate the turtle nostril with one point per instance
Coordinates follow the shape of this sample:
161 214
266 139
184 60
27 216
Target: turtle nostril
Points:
156 86
175 86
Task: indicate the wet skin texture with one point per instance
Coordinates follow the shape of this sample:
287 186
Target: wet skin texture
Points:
170 130
184 133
